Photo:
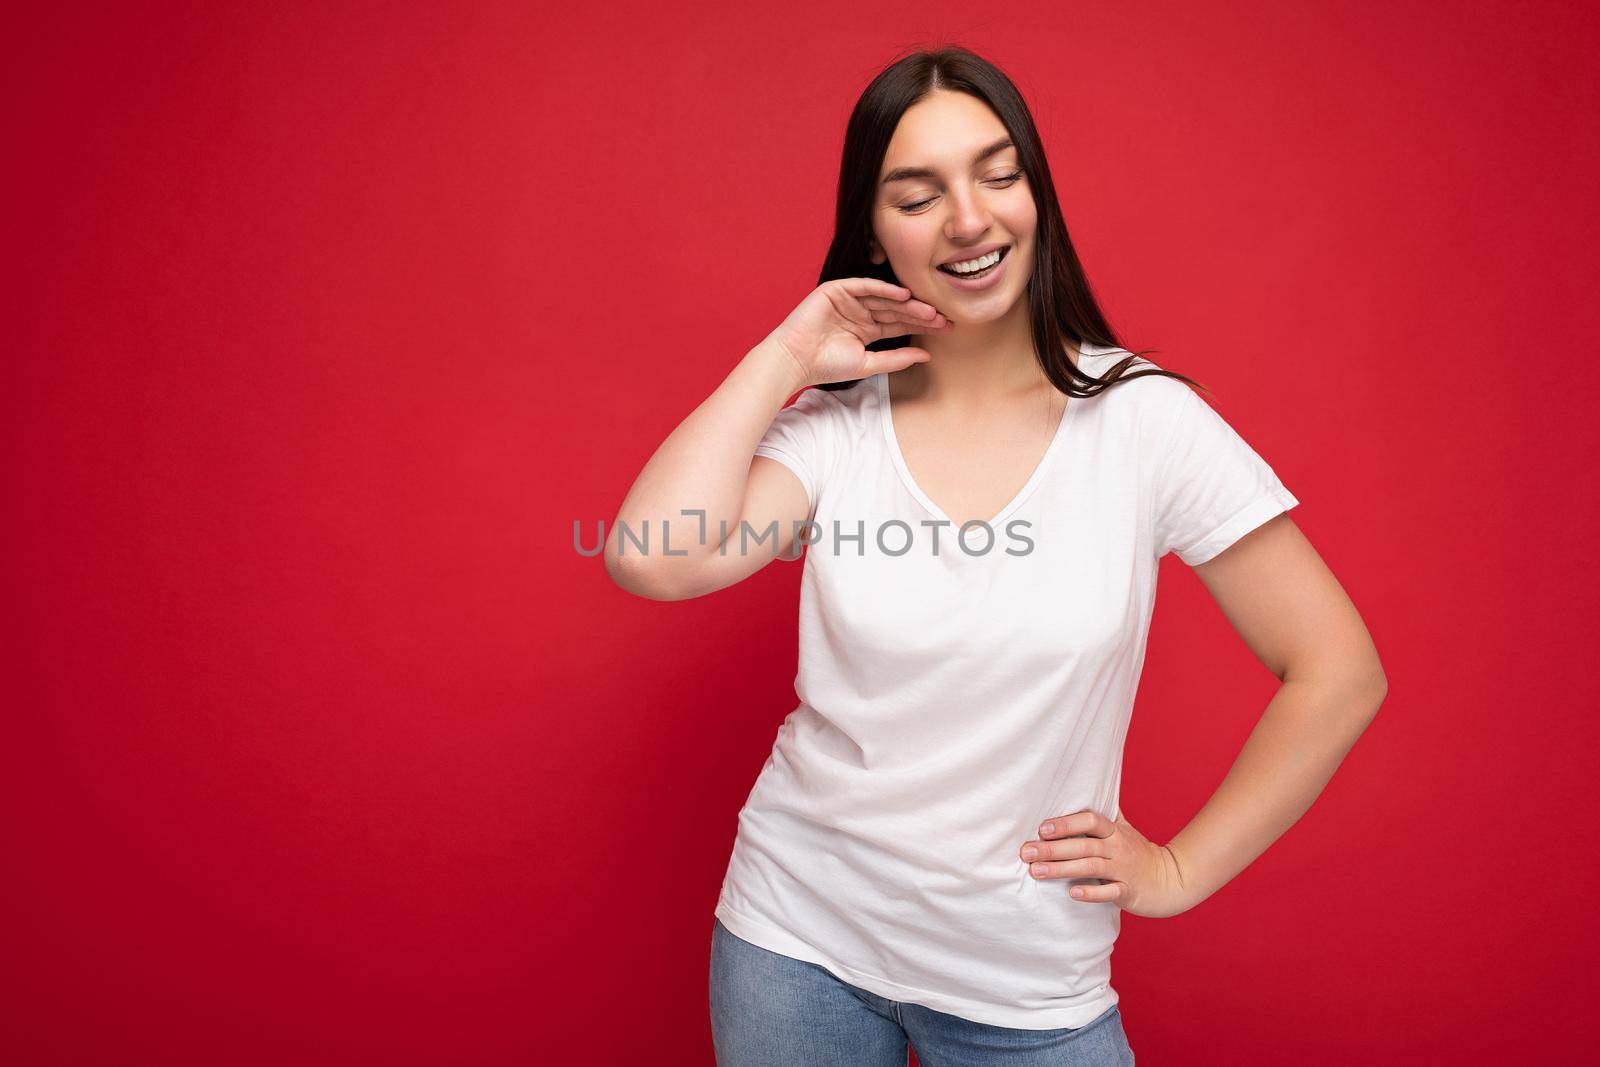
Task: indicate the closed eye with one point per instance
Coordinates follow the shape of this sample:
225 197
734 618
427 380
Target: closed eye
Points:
1004 182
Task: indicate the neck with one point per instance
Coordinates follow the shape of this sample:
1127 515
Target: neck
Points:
977 364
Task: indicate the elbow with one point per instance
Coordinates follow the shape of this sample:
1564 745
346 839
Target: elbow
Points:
1380 689
636 575
1371 688
632 576
632 573
1360 687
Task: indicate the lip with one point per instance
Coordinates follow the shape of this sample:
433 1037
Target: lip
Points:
972 253
973 285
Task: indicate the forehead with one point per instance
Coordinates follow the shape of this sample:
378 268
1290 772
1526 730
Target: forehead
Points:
942 131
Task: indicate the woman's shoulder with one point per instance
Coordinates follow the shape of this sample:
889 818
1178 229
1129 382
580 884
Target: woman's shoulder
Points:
1141 406
847 400
849 393
823 416
1137 387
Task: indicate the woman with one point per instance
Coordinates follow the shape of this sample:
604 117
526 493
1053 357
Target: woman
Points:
935 853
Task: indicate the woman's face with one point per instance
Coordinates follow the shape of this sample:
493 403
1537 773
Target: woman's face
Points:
953 206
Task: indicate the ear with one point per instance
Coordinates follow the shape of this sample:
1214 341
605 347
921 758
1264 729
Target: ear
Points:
875 250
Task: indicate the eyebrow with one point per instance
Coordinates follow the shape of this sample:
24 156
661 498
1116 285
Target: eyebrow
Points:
900 174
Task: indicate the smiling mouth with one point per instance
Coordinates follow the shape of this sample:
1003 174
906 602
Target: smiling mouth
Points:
1004 252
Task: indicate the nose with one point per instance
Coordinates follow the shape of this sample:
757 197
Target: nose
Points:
969 219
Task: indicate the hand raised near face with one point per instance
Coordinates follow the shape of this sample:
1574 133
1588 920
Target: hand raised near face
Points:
827 335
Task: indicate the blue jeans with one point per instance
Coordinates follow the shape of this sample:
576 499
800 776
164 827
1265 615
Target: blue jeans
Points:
768 1009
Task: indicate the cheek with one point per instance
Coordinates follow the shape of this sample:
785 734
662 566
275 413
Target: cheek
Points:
907 245
1023 221
1023 228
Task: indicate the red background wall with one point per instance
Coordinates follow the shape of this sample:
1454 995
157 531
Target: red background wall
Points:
327 322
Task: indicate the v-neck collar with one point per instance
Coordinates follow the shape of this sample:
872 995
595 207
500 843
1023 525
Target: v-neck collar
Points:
886 416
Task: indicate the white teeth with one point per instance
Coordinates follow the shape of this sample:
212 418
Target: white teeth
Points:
978 264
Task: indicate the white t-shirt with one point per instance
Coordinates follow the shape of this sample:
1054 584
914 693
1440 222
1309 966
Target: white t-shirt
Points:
951 700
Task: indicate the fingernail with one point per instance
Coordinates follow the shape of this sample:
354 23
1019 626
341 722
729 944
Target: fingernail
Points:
1039 868
1048 828
1030 853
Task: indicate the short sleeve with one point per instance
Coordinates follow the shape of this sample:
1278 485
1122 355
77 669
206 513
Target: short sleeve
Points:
1213 488
800 438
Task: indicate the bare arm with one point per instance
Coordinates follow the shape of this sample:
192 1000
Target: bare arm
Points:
708 463
1287 606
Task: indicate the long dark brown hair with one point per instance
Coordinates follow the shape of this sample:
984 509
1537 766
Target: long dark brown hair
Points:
1060 300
